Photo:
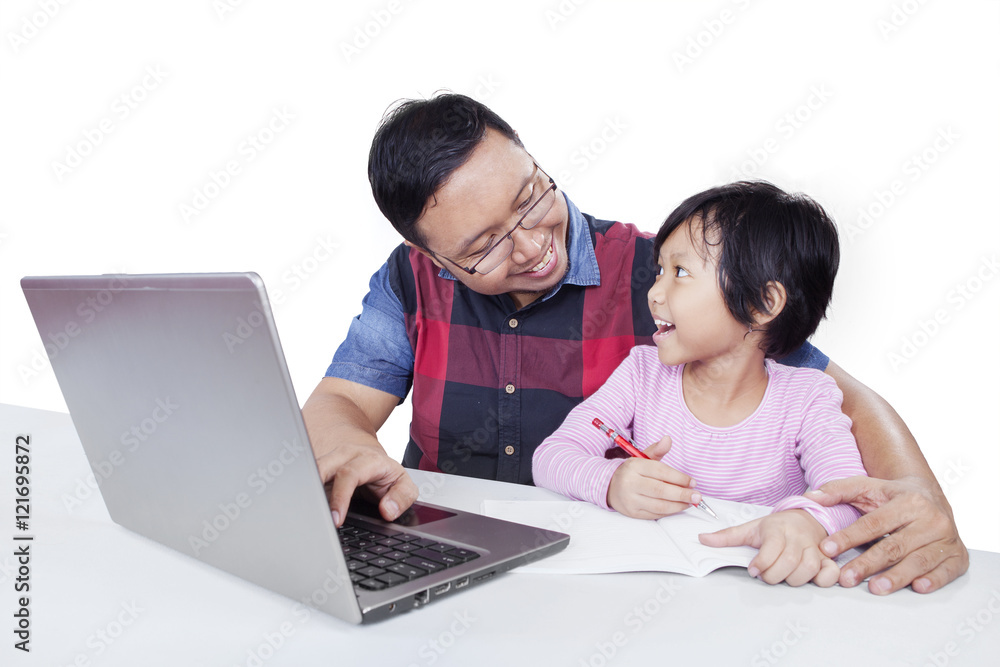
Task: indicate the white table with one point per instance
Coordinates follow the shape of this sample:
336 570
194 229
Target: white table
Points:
101 595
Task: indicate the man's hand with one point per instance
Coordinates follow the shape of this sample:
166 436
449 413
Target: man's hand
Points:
921 542
651 489
385 480
342 418
788 544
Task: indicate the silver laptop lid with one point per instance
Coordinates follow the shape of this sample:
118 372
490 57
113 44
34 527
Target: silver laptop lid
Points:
147 365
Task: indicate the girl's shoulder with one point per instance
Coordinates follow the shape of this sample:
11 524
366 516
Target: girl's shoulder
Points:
794 379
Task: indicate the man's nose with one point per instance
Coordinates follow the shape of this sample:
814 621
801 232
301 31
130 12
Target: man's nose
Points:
527 244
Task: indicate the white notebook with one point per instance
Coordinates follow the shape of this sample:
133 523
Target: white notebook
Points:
603 541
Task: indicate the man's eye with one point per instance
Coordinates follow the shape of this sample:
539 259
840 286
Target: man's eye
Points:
483 249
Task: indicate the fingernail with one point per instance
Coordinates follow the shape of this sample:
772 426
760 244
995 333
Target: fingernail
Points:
813 493
829 547
881 585
753 571
391 509
922 585
336 517
850 578
695 498
692 484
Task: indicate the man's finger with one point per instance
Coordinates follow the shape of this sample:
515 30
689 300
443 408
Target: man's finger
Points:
398 498
868 527
950 559
858 491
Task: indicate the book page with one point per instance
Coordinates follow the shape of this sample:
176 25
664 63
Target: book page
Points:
603 541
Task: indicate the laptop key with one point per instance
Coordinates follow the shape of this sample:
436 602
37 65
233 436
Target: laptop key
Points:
391 578
378 549
423 542
381 561
440 547
396 555
355 577
363 556
373 584
353 565
430 555
407 546
407 571
371 571
388 542
464 554
429 565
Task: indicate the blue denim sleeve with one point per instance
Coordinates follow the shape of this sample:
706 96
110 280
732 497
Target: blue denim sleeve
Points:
377 352
806 356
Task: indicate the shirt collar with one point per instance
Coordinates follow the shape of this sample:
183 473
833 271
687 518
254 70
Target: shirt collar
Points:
583 269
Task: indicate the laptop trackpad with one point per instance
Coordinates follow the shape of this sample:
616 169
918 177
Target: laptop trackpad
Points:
416 515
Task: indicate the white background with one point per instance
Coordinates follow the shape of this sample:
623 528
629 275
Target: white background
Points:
632 106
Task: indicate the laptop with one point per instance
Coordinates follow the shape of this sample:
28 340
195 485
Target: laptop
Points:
178 389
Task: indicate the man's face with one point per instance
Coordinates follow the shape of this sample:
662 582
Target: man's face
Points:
482 201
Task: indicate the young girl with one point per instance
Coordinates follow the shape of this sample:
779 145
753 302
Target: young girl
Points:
746 274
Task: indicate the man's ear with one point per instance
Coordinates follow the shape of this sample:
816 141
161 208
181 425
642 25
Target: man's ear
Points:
426 253
776 299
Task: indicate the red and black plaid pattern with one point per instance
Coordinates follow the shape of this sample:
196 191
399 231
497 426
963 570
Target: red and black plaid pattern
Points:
491 382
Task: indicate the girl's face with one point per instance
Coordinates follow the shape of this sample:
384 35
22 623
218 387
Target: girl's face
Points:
687 303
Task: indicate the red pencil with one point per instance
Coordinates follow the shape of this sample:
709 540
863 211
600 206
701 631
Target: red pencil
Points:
630 447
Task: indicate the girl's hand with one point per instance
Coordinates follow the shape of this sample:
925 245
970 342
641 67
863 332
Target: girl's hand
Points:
651 489
789 548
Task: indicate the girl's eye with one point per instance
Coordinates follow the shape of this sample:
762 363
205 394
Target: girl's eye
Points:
680 272
660 272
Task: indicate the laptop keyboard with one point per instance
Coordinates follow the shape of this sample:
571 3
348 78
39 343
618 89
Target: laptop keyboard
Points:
380 557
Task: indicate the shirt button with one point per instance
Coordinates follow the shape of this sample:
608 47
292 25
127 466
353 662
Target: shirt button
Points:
509 389
508 450
513 323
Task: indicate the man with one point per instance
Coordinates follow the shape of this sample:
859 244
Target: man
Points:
505 306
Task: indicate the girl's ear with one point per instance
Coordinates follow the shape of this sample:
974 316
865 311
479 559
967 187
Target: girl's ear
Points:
429 255
776 299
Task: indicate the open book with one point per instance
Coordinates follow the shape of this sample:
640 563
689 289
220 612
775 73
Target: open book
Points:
603 541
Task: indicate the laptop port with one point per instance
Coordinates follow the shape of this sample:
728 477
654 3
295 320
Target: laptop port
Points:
443 588
423 597
461 583
483 577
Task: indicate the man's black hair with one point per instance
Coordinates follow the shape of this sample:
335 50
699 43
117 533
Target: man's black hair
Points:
418 146
762 234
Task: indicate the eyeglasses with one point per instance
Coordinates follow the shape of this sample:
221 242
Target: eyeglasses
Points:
495 255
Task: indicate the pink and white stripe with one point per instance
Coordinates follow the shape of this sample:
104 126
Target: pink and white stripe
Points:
797 439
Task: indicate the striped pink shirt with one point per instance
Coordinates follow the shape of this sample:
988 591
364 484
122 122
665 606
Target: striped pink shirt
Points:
797 439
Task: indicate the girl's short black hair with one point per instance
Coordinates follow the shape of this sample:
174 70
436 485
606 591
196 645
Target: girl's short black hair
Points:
763 234
418 146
